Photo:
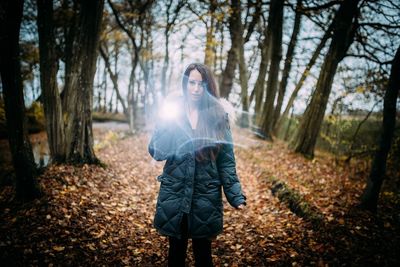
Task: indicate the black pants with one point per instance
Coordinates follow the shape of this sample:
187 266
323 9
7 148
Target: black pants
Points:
178 247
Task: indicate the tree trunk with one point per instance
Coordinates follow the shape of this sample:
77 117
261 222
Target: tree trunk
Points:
218 26
244 121
165 65
27 187
148 76
221 52
243 73
275 22
343 35
110 102
304 76
98 87
79 82
131 96
288 61
258 91
370 197
333 115
228 74
209 55
286 137
229 71
166 55
48 81
105 89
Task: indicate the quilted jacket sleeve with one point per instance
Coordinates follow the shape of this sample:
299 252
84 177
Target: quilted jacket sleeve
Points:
227 171
162 143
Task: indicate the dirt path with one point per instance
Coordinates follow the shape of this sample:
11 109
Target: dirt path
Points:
250 237
266 233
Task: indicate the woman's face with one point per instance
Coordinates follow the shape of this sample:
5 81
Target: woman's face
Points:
195 86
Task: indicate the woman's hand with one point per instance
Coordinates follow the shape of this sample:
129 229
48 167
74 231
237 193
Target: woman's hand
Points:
241 206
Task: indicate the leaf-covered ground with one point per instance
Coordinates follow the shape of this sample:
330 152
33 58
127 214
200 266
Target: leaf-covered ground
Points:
103 216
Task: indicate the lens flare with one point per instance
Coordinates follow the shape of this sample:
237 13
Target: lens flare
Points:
169 110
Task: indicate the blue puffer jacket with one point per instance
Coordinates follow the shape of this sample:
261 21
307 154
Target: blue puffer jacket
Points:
190 186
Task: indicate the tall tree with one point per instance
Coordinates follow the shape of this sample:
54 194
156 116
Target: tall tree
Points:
236 29
345 26
209 54
243 76
232 61
370 197
275 22
10 71
288 60
258 91
265 45
304 76
229 71
81 66
48 81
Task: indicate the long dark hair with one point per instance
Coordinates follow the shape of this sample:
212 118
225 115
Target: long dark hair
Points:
211 122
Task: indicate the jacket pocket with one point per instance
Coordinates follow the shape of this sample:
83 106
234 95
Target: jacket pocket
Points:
170 181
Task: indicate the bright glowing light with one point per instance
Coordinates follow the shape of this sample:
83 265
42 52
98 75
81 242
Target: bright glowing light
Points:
169 110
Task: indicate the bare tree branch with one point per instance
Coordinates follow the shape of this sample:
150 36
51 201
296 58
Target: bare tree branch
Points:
200 16
321 7
254 21
370 58
379 26
122 25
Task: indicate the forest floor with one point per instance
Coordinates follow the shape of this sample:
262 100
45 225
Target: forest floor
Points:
97 216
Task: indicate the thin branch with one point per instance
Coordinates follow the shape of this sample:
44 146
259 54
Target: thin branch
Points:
375 60
254 21
197 14
121 24
378 26
321 7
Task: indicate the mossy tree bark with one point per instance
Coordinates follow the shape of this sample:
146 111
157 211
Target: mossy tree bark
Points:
81 66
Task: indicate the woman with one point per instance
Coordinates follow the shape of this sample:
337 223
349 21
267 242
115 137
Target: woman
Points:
197 146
